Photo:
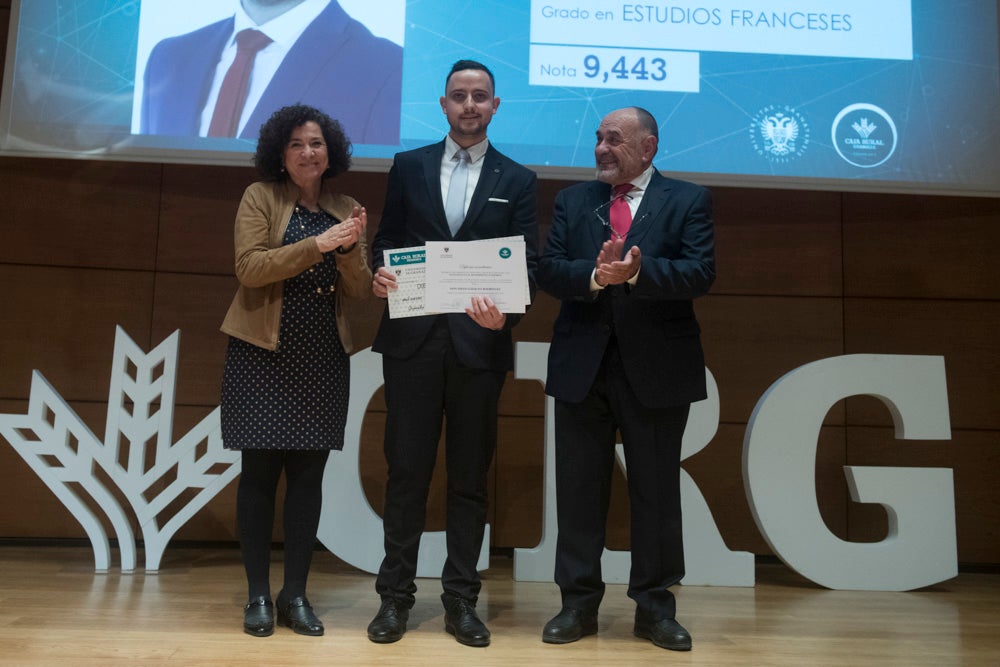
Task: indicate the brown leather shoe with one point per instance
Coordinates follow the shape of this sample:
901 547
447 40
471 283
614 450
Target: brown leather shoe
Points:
569 625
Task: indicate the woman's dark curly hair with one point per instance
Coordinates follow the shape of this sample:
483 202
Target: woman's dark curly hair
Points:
277 132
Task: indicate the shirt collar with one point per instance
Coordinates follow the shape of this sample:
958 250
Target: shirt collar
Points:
284 29
641 182
476 151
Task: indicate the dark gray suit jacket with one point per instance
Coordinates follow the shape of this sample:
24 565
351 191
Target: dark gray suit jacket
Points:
653 322
503 204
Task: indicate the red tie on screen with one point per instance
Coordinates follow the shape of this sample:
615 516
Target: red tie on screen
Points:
232 95
621 214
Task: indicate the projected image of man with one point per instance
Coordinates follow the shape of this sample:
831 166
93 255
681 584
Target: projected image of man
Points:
227 78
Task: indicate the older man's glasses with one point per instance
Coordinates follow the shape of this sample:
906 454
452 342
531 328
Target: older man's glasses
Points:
603 213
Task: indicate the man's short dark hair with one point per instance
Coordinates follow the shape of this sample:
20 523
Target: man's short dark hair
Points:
470 64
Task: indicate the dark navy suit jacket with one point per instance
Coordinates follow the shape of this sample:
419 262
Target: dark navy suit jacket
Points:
503 204
654 321
336 65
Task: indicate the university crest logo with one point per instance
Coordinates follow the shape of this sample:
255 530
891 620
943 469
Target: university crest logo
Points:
779 133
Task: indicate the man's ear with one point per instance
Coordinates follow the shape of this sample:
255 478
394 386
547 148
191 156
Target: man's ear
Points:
649 145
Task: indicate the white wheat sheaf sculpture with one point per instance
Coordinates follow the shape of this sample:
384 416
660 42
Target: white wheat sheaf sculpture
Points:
137 455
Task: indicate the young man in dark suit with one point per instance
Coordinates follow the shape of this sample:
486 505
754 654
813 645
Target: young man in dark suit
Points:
450 365
626 254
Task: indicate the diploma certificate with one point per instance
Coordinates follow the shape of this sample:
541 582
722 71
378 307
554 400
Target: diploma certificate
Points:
456 271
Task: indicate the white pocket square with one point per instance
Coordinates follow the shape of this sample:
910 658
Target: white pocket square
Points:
497 199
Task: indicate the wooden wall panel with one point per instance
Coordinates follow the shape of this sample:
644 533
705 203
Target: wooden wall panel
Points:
520 481
975 457
921 247
79 213
368 188
196 305
196 218
964 332
795 242
752 341
62 322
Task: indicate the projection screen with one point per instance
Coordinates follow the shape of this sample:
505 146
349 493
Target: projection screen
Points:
890 95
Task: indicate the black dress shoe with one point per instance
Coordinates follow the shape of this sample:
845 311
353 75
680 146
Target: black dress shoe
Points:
569 625
460 620
665 633
298 614
258 617
389 623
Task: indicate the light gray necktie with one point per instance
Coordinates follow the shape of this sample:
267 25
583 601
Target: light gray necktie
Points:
454 208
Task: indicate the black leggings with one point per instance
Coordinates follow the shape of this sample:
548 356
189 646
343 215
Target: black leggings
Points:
255 501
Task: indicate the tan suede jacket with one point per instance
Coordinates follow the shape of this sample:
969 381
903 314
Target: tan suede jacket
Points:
263 264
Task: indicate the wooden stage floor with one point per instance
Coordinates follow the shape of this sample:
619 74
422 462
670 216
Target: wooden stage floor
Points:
54 610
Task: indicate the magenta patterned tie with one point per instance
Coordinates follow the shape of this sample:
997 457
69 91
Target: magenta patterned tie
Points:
621 214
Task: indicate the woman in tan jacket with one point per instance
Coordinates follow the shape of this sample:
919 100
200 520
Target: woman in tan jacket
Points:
300 250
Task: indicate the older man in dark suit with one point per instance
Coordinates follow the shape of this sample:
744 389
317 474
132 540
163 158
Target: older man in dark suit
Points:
451 365
626 254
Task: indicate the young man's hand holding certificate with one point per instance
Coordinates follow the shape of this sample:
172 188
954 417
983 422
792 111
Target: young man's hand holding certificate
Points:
444 276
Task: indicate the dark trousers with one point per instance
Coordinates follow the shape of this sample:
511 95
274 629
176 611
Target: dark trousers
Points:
255 500
585 440
419 391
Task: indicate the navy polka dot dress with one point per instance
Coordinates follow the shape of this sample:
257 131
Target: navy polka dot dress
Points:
295 397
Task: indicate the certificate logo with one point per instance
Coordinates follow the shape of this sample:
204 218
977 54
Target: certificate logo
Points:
779 133
864 135
504 253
